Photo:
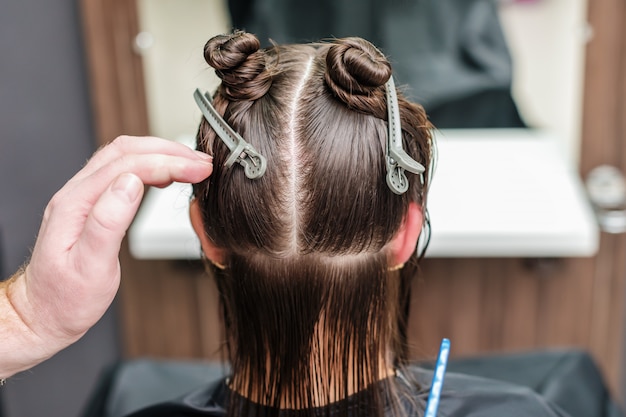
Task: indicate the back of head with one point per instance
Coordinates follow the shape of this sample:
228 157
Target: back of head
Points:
312 312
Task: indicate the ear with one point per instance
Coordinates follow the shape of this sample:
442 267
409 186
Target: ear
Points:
404 243
212 252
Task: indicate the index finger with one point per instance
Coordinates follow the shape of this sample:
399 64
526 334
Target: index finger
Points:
125 145
72 204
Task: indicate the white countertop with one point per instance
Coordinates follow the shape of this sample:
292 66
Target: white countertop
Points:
495 193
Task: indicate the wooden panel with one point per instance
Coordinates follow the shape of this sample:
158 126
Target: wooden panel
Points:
168 308
116 74
522 306
211 330
604 133
604 104
489 305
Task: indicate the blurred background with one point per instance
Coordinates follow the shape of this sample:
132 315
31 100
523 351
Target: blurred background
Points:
75 74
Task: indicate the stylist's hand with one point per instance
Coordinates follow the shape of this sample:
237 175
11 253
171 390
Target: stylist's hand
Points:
74 272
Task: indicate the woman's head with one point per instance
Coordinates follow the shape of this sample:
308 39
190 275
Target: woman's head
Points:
309 299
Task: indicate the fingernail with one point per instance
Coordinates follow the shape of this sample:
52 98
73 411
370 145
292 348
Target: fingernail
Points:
204 155
129 186
208 163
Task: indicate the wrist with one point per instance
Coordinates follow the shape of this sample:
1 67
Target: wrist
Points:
24 345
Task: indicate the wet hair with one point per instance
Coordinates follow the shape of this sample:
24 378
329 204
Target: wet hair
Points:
307 296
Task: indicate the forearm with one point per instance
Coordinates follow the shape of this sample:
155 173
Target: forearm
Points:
22 346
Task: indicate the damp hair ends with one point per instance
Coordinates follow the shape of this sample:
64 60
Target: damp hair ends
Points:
311 311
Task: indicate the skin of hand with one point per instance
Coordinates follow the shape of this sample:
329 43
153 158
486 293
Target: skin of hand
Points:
74 271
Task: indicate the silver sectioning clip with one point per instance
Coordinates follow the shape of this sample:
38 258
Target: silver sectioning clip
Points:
396 158
240 151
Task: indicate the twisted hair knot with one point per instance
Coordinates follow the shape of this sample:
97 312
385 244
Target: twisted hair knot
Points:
355 71
240 64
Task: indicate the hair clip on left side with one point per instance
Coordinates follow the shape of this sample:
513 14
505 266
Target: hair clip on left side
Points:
240 151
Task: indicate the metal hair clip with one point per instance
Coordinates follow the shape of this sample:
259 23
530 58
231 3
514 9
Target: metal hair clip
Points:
240 150
396 158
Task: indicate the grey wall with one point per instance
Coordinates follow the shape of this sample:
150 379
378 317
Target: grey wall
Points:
45 136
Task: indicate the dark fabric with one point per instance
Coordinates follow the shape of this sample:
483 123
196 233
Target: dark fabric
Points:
451 53
546 383
131 385
569 379
463 396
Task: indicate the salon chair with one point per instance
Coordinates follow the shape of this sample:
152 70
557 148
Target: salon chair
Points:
567 378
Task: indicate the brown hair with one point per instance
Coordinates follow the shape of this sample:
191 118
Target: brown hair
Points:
308 300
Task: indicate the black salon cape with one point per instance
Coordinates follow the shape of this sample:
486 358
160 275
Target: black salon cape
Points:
462 396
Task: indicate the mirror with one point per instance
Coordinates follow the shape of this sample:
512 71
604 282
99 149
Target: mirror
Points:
171 40
546 40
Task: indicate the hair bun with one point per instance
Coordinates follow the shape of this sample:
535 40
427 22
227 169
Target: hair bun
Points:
356 67
240 64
